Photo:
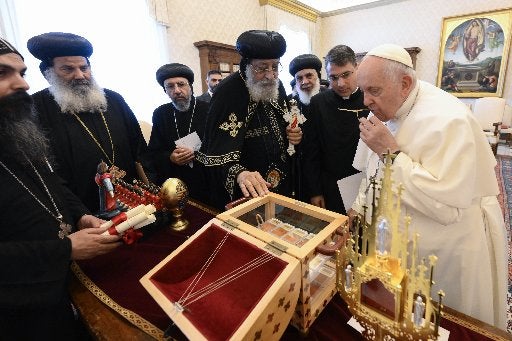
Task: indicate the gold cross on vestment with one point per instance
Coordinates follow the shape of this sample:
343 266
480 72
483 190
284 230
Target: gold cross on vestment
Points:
356 111
233 125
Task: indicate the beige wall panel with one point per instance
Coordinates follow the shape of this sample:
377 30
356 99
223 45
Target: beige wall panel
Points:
216 20
407 23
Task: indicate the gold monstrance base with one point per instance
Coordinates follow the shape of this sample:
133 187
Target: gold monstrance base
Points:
179 223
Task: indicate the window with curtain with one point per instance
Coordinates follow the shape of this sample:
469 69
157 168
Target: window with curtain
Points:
297 43
129 45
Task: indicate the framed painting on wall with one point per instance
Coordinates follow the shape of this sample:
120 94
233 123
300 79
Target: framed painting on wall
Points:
473 53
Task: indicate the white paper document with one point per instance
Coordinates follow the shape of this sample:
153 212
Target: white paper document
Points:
349 188
191 141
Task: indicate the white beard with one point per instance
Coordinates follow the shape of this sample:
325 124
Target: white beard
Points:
263 90
304 96
76 96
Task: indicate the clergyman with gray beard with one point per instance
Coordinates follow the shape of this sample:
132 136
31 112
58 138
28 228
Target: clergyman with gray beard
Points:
86 123
44 226
246 136
183 116
306 72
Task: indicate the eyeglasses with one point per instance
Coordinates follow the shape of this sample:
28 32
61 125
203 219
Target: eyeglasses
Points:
172 86
344 75
276 68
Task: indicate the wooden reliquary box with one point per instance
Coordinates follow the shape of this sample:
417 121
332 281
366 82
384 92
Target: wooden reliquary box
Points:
250 271
305 232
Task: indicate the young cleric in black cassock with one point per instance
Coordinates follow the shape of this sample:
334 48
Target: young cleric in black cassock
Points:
242 134
169 125
331 137
76 153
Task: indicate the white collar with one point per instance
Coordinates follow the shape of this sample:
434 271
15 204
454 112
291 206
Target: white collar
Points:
404 110
347 97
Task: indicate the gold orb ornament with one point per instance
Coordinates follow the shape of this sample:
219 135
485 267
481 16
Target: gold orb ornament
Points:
174 194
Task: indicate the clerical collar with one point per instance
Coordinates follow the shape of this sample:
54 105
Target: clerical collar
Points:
409 102
404 110
347 97
210 92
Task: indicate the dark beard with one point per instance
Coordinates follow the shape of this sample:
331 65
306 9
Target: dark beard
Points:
21 139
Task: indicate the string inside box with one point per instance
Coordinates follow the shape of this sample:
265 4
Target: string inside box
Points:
190 295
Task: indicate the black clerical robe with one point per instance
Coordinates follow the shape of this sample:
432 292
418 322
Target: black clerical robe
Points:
300 181
331 136
206 97
245 135
34 261
169 125
76 153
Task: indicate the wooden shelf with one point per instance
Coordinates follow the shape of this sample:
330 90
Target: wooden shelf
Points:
216 56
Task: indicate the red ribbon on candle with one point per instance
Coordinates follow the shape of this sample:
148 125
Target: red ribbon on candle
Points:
131 236
118 219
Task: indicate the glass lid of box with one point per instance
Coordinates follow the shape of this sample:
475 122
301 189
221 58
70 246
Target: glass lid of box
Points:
286 223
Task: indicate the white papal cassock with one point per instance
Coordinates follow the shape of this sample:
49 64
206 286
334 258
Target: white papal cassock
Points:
446 167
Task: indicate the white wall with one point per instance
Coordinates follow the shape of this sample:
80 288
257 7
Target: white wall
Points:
407 23
221 21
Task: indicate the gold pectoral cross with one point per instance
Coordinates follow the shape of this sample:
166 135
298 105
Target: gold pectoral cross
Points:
356 111
233 125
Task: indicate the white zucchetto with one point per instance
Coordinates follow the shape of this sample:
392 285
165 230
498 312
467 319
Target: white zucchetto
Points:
392 52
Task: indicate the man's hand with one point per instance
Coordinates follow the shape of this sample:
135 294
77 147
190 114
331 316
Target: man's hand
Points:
377 136
89 243
318 200
252 184
89 221
294 135
181 156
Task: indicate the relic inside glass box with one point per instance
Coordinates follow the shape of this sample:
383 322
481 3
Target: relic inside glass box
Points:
287 224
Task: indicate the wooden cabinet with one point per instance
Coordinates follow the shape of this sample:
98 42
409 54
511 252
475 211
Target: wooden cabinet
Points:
216 56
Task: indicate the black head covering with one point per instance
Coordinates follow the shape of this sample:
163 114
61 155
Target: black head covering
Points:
49 45
305 61
6 47
261 44
174 70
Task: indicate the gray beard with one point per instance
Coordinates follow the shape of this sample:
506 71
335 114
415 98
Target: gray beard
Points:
182 105
263 90
77 95
21 139
305 97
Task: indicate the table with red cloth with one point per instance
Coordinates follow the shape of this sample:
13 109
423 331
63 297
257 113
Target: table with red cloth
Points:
127 310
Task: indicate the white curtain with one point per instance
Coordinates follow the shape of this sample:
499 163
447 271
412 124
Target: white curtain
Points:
129 45
298 32
158 11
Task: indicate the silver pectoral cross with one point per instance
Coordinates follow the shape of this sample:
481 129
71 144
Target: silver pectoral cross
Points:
65 228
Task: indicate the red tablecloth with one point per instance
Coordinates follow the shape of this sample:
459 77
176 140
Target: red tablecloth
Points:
114 279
